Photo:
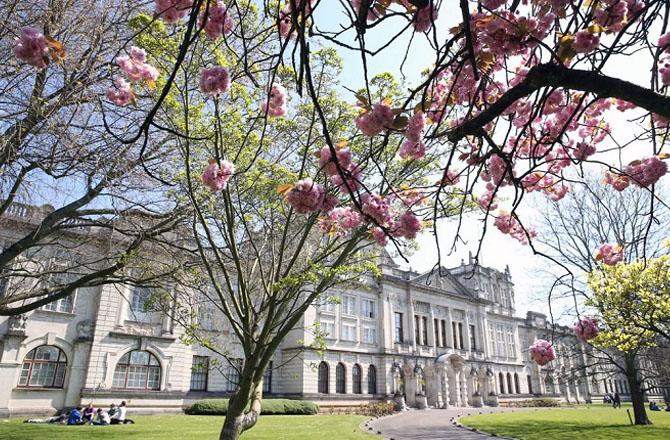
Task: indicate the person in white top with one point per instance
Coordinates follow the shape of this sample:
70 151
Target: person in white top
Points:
102 418
120 416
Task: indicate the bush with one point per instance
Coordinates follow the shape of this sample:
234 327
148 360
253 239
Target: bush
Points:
544 403
377 409
219 407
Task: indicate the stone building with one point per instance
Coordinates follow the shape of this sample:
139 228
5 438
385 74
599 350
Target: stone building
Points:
449 337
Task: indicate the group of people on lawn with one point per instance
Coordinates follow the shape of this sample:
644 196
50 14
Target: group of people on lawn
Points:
116 415
615 400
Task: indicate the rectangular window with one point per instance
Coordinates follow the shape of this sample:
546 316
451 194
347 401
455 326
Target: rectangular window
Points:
443 329
267 379
500 332
398 333
138 303
417 329
368 308
348 332
348 305
328 328
424 331
492 340
511 345
369 335
63 305
233 374
326 305
454 334
460 335
436 332
199 373
473 338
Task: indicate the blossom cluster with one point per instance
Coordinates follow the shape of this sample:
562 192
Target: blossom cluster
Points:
214 81
375 120
216 177
508 224
542 352
135 68
664 62
218 21
610 254
172 11
32 48
275 106
413 147
586 328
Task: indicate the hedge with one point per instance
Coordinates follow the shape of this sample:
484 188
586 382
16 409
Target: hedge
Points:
542 402
219 407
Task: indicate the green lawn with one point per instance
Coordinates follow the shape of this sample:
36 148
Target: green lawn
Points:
180 427
594 422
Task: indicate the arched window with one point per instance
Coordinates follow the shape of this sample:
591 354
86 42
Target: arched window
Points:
137 369
43 367
323 377
372 380
356 379
501 382
340 379
510 390
530 384
517 387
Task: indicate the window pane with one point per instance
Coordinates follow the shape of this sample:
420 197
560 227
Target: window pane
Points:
47 353
60 376
42 374
30 354
137 377
120 376
154 379
139 358
23 380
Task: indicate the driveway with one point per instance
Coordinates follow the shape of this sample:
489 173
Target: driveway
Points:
431 424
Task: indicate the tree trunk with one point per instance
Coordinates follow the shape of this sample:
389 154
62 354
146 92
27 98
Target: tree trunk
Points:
237 421
636 394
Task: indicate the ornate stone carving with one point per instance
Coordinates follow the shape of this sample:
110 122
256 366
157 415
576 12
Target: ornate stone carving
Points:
17 325
85 330
422 307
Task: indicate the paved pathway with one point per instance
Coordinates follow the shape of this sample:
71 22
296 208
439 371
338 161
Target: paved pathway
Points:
431 424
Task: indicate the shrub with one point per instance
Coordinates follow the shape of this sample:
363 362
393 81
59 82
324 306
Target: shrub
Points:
544 403
377 409
219 407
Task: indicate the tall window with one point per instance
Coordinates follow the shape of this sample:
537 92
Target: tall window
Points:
199 372
348 332
369 335
510 390
63 305
473 338
233 374
460 335
349 305
492 340
43 367
356 379
323 377
340 379
454 334
398 333
424 330
372 380
267 379
511 345
530 384
443 329
60 277
417 329
368 308
138 303
137 369
501 339
501 381
436 332
328 328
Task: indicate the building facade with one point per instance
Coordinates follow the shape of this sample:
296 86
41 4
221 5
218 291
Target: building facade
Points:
445 338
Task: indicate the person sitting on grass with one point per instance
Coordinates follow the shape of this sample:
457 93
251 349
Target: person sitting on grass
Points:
120 416
653 406
112 410
101 418
61 418
88 413
75 417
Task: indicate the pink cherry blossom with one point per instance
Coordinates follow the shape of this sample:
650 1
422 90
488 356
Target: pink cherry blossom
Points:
121 94
586 328
507 224
611 15
492 4
216 177
327 162
664 42
585 41
412 151
425 17
646 172
449 178
375 120
306 196
172 11
542 352
31 47
407 226
415 126
583 151
135 66
610 254
275 106
351 178
378 208
219 21
214 81
339 221
618 181
379 236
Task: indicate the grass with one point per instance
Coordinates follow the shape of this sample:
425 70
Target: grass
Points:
181 427
595 422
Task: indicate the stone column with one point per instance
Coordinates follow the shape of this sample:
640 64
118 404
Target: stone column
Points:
445 387
450 330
